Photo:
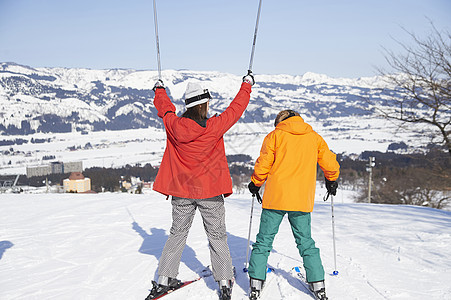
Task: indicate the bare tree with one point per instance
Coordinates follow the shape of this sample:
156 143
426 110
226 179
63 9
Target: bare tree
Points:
423 77
411 186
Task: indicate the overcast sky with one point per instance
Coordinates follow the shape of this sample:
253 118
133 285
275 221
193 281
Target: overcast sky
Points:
332 37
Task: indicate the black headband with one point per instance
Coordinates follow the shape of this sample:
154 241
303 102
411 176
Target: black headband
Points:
292 114
206 94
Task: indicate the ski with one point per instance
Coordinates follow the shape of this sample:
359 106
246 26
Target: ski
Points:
204 273
303 280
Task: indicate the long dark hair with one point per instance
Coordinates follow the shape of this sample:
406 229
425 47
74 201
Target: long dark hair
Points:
197 113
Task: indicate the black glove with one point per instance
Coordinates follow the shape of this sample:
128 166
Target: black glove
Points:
158 85
254 191
249 78
331 187
253 188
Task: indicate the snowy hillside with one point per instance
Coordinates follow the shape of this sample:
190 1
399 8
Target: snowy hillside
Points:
106 246
92 115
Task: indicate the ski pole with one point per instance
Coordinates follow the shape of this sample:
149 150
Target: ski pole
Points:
156 38
249 236
335 272
255 36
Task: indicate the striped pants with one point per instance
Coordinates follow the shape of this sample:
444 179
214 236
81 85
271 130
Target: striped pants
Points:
213 215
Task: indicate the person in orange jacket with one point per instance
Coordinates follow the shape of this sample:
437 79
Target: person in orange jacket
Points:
287 163
194 171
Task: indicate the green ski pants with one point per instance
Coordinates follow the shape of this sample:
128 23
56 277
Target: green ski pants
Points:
300 226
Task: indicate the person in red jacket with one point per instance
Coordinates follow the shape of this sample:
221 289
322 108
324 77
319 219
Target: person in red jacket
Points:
194 171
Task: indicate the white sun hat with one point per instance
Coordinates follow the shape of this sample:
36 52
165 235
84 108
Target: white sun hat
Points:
195 95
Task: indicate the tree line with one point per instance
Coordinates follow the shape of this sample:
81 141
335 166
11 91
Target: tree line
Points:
415 179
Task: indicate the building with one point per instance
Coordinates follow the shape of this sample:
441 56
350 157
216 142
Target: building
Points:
134 186
76 183
75 166
57 167
39 171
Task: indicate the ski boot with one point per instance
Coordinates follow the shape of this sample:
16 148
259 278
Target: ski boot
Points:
163 285
319 289
256 288
225 289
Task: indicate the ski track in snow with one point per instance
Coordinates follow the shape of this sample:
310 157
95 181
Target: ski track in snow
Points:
65 246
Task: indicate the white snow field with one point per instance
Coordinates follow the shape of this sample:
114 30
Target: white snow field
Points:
107 246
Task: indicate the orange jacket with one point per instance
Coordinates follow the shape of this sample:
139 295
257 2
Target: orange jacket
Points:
287 163
194 163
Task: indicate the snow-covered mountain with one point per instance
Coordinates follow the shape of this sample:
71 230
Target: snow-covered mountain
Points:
107 118
64 100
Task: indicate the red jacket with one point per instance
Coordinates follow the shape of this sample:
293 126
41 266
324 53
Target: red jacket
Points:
194 163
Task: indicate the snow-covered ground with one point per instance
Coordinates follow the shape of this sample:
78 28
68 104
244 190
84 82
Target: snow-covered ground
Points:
107 246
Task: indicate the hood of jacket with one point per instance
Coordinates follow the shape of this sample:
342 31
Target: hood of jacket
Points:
294 125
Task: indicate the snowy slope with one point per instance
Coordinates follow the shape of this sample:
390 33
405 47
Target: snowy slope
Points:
106 246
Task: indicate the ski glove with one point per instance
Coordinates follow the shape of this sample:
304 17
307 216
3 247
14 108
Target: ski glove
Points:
331 187
254 191
158 85
249 78
253 188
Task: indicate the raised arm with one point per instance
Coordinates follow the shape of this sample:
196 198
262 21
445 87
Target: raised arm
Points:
236 108
161 101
